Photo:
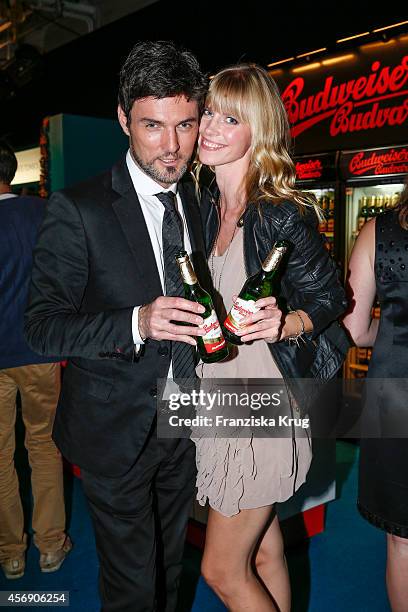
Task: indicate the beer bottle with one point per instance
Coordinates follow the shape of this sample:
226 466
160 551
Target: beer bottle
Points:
330 216
371 209
212 346
323 205
376 313
362 356
395 199
379 206
362 215
364 208
387 202
255 287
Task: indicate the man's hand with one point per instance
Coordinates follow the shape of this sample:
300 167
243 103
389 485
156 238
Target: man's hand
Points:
155 320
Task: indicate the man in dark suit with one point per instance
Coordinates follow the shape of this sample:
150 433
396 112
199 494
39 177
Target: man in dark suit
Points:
106 293
38 381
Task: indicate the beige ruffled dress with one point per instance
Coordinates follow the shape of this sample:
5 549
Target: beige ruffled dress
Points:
243 473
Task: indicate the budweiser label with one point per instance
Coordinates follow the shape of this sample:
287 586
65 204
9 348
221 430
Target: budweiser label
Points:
310 169
240 309
391 161
213 338
273 259
342 101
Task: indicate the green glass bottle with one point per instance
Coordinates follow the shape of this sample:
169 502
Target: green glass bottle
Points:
257 286
372 212
212 346
379 205
363 216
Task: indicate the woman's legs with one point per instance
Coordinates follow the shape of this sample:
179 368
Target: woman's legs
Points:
228 555
271 565
397 572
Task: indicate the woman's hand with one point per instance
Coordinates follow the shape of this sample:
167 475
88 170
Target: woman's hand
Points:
266 324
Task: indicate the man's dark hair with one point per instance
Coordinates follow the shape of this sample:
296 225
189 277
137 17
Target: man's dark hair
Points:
8 163
162 70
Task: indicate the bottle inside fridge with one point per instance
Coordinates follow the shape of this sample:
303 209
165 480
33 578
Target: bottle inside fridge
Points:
325 199
365 202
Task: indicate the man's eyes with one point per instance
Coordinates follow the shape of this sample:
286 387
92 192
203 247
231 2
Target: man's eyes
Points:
184 126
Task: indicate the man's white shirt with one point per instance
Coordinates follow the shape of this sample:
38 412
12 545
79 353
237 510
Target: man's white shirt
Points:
153 212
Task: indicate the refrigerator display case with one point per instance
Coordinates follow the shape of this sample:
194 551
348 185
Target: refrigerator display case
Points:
317 174
373 181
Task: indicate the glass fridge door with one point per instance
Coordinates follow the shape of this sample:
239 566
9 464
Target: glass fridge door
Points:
364 202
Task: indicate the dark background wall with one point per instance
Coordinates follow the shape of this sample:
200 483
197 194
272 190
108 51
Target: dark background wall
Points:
81 77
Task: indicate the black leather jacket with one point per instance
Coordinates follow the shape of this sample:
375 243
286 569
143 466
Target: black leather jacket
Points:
310 281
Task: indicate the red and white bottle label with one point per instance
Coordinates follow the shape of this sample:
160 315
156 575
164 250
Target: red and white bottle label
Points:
213 338
240 309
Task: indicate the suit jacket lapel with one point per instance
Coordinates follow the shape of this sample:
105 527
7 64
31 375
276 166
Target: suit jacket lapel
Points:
131 218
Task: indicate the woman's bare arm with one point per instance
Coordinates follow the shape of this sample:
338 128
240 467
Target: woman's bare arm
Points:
361 289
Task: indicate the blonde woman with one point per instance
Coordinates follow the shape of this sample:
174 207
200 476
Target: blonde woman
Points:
244 138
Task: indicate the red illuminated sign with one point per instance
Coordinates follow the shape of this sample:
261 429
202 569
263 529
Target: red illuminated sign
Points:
353 105
309 169
392 161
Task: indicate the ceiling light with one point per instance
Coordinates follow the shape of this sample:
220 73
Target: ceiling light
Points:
352 37
312 52
394 25
375 45
288 59
307 67
335 60
274 73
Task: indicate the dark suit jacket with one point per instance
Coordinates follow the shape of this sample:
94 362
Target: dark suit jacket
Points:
20 219
93 263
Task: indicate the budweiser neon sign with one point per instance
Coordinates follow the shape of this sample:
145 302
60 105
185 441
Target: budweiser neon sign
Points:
392 161
310 169
352 105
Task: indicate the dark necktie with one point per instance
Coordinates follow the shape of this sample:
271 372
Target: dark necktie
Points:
183 355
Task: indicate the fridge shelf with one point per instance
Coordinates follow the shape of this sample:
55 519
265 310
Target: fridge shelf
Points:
358 366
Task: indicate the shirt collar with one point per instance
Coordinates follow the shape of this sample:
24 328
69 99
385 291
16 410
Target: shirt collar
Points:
5 196
142 183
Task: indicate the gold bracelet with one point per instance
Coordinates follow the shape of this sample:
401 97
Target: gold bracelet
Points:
295 338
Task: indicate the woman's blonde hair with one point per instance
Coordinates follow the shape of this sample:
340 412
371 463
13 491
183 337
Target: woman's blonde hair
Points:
249 94
402 206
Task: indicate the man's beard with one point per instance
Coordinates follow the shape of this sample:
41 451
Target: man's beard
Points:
169 176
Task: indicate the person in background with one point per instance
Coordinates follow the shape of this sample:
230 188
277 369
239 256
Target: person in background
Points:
244 137
106 291
37 379
379 267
